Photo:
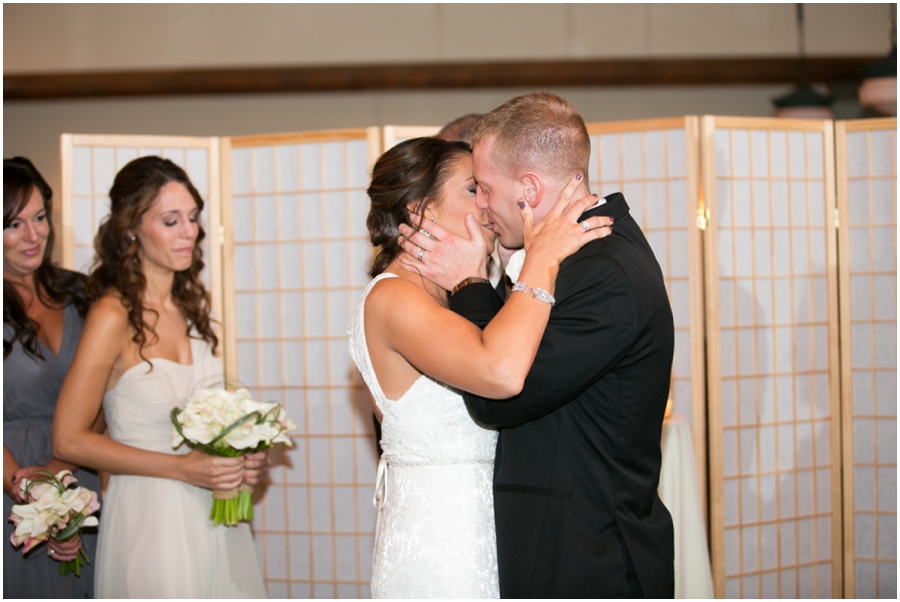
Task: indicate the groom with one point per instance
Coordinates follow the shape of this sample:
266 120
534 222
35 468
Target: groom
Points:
578 457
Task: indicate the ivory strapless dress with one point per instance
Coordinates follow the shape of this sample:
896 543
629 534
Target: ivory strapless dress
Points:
156 539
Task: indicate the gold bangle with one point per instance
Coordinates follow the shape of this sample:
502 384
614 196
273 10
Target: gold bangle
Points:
467 282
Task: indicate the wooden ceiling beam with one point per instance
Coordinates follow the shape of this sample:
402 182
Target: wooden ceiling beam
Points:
431 76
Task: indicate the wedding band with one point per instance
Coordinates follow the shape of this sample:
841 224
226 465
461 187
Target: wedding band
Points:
426 233
586 226
421 252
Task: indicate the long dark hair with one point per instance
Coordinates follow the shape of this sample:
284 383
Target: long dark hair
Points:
53 285
117 262
412 172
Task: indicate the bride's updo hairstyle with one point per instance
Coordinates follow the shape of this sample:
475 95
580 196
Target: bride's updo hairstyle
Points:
411 173
117 262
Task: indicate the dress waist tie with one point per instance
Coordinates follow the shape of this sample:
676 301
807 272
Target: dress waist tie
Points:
381 477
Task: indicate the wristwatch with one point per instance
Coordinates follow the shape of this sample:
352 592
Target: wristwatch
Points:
467 282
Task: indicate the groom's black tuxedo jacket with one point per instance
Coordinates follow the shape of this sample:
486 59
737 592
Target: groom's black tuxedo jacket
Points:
578 458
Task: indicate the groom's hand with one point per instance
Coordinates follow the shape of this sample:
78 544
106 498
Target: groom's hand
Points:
504 255
443 257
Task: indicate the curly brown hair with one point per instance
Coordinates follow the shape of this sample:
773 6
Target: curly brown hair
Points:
53 285
412 172
117 262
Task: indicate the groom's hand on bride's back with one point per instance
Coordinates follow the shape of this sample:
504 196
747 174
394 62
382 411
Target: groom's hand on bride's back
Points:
446 259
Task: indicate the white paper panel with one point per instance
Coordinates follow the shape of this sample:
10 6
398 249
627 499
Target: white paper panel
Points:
870 180
301 253
770 264
95 162
649 167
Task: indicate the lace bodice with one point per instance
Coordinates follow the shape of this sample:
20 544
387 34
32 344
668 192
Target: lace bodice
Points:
435 534
429 423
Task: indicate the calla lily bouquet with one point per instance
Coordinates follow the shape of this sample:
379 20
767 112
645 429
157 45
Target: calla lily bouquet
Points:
227 423
54 509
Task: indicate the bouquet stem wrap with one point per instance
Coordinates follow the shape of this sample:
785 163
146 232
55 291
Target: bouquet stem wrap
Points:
232 506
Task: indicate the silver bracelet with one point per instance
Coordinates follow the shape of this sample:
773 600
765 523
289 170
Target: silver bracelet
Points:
538 293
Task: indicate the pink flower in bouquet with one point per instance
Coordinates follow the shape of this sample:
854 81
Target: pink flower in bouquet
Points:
53 509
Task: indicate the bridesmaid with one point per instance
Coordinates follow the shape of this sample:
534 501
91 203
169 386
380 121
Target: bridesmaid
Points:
43 313
148 342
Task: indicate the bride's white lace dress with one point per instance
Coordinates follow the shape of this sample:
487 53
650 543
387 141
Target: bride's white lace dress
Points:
435 536
156 539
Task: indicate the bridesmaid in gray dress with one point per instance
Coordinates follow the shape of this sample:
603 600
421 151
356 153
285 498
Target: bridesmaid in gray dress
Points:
43 309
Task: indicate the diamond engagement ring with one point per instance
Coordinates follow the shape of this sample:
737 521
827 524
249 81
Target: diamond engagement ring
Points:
421 252
586 226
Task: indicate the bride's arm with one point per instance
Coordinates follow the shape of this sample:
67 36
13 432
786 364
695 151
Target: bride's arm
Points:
493 362
106 330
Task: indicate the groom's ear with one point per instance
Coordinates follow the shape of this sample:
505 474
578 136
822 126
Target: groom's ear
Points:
532 188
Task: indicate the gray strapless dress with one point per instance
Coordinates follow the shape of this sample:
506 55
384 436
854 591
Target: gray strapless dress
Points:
30 389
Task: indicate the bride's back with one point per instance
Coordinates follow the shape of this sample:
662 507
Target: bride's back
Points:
429 422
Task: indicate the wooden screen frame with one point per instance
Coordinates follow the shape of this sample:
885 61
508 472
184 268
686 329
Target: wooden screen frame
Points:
373 137
392 134
691 126
212 200
709 124
842 128
706 366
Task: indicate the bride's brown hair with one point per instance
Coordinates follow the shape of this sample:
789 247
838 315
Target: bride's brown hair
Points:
411 173
117 262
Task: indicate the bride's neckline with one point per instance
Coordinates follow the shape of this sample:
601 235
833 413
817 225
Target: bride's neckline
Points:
437 294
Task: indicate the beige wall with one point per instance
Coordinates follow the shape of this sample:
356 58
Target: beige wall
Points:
72 37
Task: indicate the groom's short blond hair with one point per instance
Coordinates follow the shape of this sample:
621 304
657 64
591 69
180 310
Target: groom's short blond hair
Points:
539 132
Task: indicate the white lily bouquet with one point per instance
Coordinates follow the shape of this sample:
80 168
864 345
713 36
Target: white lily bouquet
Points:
227 423
54 508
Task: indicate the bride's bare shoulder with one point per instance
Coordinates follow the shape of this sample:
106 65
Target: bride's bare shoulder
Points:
389 291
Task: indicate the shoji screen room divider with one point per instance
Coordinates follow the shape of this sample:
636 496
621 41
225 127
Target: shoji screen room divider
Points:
654 164
755 297
772 358
867 212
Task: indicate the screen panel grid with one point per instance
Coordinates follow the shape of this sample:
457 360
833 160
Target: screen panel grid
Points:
651 164
301 253
297 251
868 210
94 161
778 420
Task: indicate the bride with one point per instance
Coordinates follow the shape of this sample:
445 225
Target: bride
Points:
435 535
147 344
